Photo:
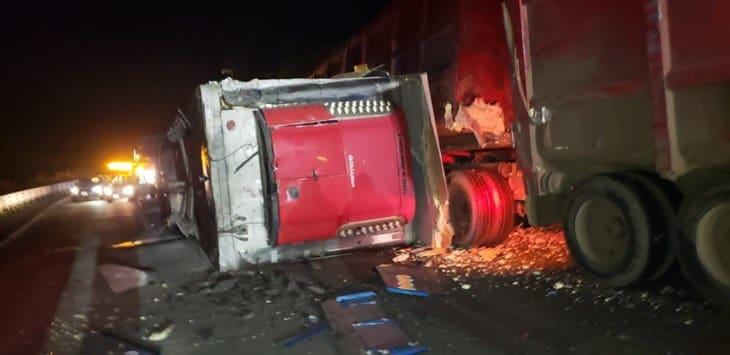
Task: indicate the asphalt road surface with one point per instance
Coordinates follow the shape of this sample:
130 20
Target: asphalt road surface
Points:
55 300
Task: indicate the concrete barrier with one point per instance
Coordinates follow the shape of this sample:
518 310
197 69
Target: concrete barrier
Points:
20 199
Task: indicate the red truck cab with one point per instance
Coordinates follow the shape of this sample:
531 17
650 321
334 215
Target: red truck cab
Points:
340 169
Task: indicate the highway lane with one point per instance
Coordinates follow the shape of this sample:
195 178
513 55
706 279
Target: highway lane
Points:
35 265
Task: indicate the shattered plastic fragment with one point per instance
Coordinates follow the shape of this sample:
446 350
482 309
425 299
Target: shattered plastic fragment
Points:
162 334
122 278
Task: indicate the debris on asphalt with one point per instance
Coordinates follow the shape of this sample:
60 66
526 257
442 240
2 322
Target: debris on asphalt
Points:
224 286
401 258
163 333
408 350
410 280
360 325
533 249
316 289
355 298
121 278
148 241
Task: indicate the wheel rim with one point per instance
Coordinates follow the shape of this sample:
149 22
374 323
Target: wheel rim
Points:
601 233
713 242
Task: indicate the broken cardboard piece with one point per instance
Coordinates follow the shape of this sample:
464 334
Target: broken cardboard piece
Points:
122 278
410 280
342 317
361 326
356 298
381 334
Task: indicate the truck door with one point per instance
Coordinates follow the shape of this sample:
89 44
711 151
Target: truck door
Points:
309 165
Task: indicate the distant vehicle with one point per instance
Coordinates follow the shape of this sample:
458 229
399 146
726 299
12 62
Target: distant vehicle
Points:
119 187
87 188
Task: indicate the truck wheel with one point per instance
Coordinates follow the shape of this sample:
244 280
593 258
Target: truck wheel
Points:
663 199
704 244
608 230
481 207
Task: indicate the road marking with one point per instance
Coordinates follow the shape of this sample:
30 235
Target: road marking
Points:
27 225
70 324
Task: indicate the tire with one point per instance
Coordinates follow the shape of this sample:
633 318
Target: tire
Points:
663 201
481 208
704 243
608 230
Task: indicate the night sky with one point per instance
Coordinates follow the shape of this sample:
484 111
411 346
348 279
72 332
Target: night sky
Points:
81 81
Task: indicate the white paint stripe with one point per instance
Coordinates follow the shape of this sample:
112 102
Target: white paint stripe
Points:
70 324
27 225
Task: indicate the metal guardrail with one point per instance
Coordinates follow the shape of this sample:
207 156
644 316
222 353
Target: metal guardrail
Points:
19 199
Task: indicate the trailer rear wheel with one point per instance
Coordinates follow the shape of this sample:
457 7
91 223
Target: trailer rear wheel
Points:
663 199
704 244
481 207
607 229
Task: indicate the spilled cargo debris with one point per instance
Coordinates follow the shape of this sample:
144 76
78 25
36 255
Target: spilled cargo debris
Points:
361 326
148 241
163 333
122 278
410 280
525 250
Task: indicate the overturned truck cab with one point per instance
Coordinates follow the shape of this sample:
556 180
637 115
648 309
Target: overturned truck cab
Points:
274 170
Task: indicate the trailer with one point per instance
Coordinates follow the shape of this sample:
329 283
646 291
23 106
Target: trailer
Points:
610 117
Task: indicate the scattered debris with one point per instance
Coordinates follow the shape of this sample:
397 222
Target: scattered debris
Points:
316 289
122 278
148 241
401 258
361 326
489 254
224 286
162 334
526 249
409 280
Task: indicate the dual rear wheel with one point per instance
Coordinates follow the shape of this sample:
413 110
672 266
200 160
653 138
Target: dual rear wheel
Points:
628 228
704 243
620 228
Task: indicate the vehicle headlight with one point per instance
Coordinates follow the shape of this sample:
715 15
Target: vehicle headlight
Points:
128 190
108 190
97 189
74 190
